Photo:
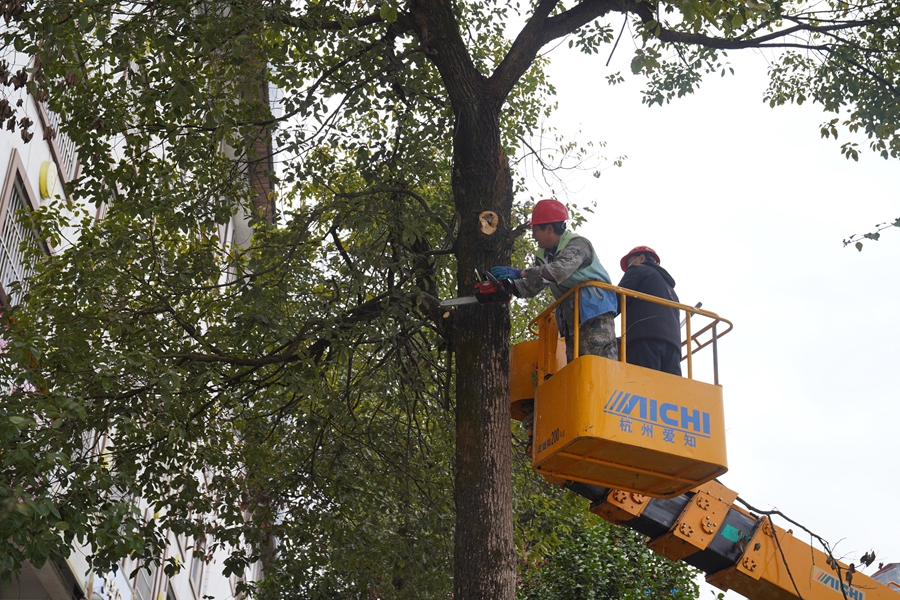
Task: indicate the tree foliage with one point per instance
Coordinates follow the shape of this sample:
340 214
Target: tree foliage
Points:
303 389
565 552
603 561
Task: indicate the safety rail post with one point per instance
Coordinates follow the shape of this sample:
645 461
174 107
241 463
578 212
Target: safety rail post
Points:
577 323
543 356
690 350
622 325
715 345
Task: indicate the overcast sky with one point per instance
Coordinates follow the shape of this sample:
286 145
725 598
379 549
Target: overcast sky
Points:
747 208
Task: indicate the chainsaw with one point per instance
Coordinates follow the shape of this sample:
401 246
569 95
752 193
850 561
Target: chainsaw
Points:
488 290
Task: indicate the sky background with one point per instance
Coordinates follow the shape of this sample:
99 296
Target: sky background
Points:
747 208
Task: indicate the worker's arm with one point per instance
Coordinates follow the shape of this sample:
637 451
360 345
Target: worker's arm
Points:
536 278
576 254
525 288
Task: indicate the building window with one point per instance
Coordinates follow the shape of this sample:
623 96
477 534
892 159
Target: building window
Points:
144 581
62 145
197 559
14 264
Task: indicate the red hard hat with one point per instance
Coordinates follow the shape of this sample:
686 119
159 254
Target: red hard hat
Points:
549 211
638 250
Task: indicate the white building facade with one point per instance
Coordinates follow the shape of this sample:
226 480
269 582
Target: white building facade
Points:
33 172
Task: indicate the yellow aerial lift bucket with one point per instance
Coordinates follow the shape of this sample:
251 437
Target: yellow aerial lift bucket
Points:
616 425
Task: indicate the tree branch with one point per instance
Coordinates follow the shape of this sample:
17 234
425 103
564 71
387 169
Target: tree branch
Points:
310 25
436 27
287 352
541 29
644 12
398 190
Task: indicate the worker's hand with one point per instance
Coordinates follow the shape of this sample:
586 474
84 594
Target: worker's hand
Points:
506 273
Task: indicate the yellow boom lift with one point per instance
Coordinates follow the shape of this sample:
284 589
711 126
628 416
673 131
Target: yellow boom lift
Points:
645 447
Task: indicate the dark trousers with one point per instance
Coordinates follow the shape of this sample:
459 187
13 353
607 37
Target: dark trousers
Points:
654 354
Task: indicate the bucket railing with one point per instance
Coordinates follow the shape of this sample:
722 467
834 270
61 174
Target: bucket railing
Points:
707 334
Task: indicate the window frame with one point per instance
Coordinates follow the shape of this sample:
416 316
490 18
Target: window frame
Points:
200 564
16 174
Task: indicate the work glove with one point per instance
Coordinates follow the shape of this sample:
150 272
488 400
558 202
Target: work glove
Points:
502 273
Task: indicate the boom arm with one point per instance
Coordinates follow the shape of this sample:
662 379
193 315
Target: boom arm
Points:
737 549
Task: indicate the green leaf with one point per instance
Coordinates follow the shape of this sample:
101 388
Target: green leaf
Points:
388 12
637 64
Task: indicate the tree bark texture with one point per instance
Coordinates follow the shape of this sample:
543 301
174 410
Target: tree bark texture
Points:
484 565
484 553
485 556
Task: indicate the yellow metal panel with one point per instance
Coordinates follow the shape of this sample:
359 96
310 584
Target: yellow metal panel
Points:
621 506
522 376
523 373
791 569
617 425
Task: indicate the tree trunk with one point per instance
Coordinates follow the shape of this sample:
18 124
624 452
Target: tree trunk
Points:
484 552
484 555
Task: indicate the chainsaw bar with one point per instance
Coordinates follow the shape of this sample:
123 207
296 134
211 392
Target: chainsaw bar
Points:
460 301
487 291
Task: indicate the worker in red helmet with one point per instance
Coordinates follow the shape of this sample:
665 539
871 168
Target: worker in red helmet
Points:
652 331
562 261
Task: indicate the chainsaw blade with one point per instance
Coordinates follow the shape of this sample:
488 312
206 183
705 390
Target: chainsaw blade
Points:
459 301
